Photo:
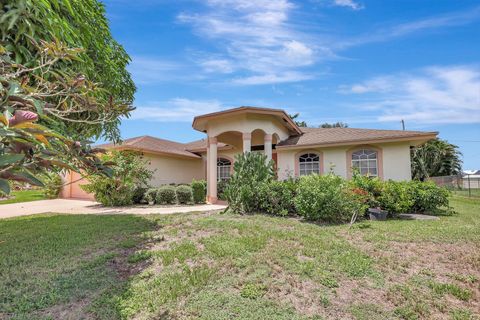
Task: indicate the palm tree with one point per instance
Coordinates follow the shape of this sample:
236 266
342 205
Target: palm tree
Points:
435 158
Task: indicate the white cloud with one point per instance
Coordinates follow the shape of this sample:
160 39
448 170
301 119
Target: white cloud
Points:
177 109
147 70
218 65
432 95
273 78
258 39
348 3
388 33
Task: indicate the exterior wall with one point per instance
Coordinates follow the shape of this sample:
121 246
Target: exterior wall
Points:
247 123
170 169
396 160
72 189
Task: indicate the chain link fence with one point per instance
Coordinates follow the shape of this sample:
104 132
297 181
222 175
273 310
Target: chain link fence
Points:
465 185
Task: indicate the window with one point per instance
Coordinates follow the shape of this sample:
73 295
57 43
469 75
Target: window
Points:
223 169
309 164
365 161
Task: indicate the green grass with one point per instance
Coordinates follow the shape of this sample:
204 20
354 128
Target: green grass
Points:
24 196
222 266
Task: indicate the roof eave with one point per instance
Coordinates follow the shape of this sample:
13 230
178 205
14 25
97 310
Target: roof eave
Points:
418 138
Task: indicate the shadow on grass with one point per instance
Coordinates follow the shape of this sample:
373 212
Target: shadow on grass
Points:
55 266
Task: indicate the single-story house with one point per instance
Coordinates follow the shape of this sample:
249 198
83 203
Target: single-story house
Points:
295 150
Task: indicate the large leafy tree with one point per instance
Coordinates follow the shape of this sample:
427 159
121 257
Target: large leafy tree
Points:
77 24
36 104
435 158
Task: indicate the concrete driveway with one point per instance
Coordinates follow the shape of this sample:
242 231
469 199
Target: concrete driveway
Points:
70 206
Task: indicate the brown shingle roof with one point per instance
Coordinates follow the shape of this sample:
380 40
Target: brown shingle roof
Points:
343 136
155 145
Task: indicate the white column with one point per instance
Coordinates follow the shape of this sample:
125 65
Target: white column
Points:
212 170
247 142
207 177
268 146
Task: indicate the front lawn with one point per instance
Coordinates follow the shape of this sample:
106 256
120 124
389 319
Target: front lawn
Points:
24 196
217 266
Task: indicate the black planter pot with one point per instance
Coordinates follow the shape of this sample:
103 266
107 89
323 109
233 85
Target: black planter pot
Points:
377 214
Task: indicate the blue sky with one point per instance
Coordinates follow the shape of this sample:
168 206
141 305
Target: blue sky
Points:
367 63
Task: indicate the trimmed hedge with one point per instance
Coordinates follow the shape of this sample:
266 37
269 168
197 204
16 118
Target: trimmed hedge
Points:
166 195
184 194
199 189
151 195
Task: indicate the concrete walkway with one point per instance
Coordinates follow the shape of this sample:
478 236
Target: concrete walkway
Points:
90 207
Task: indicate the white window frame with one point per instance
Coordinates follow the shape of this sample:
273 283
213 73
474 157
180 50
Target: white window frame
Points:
224 167
366 161
309 165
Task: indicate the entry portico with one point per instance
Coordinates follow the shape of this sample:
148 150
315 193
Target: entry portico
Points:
241 128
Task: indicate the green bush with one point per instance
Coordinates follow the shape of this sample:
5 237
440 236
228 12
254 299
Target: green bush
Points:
151 195
277 197
250 171
427 196
111 193
184 194
199 189
139 194
166 195
396 197
327 198
53 185
129 172
371 185
221 185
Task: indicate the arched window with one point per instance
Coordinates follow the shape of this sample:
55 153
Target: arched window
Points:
223 169
366 162
309 163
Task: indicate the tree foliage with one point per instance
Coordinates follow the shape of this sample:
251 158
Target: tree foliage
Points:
435 158
334 125
298 123
76 24
36 103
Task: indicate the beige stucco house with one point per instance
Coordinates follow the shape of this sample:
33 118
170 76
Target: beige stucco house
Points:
295 150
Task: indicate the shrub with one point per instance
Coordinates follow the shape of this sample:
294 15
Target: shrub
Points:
166 195
221 185
138 194
396 197
277 197
427 196
199 189
129 171
184 194
327 198
371 185
250 171
110 193
52 185
151 195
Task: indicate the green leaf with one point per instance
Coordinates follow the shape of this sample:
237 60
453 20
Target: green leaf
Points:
4 186
30 178
8 158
